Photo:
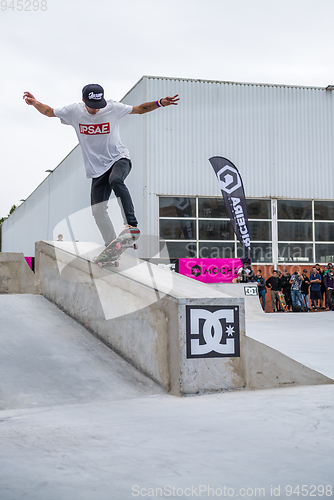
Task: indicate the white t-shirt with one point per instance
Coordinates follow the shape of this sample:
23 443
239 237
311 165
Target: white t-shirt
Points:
98 134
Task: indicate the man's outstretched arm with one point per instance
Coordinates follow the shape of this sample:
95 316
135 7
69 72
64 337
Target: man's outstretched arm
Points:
150 106
44 109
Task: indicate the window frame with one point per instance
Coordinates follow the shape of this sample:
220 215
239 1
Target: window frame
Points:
274 220
199 241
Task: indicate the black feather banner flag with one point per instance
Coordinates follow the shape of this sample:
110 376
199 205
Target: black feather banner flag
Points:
232 189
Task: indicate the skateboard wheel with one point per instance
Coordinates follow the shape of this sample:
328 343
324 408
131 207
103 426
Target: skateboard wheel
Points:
117 246
135 246
99 264
116 263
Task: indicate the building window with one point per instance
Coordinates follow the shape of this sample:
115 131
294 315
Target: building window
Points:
324 231
324 253
308 234
294 231
200 227
294 210
299 231
295 252
324 210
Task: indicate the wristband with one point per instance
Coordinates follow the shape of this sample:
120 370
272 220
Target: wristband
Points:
158 103
161 103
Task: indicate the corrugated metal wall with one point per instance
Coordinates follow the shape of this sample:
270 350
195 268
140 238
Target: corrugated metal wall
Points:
280 138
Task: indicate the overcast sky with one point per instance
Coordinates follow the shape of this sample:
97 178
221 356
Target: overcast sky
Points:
54 52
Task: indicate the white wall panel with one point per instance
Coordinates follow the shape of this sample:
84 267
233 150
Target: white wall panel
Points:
280 138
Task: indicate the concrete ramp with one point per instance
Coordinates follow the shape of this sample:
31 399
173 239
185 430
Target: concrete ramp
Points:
47 358
307 338
15 274
187 336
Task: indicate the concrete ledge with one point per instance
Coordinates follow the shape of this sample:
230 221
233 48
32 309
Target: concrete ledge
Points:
15 274
139 310
143 313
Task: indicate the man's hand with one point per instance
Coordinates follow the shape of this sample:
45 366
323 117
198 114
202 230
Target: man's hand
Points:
29 99
168 101
44 109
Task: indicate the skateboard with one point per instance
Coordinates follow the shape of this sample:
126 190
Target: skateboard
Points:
112 253
282 302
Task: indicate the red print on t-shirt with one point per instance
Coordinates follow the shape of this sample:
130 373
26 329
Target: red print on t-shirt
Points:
100 128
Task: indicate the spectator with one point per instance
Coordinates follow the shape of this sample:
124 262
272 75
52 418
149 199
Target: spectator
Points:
296 284
286 287
305 289
329 265
251 276
329 284
315 280
245 274
274 283
323 288
261 283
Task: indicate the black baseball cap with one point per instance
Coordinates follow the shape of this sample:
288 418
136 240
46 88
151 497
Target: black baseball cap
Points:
93 96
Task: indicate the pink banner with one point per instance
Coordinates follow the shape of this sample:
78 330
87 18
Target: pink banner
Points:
210 270
29 261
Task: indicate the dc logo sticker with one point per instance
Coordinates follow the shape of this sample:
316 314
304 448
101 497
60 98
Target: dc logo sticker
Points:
229 179
212 331
251 290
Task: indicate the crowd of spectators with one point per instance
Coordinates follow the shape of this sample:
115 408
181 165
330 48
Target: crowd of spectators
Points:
312 293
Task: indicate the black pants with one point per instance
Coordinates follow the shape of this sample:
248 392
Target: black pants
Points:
287 296
330 297
112 180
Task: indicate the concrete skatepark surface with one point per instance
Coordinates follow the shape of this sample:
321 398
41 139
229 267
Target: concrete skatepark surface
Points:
306 337
77 422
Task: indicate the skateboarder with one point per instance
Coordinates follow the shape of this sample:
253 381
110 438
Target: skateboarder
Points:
107 161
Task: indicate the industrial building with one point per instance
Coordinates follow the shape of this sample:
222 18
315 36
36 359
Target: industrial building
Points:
280 138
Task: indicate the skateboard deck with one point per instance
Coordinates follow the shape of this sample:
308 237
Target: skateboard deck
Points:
282 302
112 253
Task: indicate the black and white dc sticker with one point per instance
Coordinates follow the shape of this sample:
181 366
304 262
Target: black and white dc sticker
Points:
212 331
251 291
